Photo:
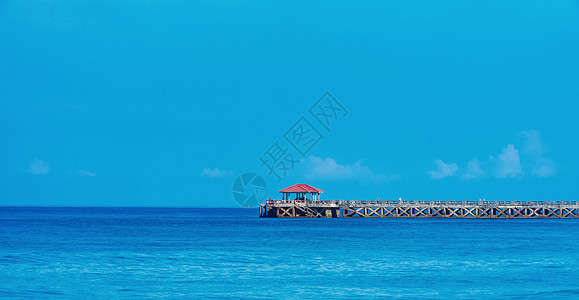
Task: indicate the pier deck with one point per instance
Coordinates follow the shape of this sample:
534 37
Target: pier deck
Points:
419 209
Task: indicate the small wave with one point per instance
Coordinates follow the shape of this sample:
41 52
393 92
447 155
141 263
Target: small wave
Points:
552 294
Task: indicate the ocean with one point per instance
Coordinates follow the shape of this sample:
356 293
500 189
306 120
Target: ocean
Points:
231 253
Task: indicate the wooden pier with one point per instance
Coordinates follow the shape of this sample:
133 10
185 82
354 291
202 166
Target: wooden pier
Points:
302 207
419 209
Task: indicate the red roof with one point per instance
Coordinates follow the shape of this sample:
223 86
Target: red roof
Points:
301 188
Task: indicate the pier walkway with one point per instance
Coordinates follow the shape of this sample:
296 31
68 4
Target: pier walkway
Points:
419 209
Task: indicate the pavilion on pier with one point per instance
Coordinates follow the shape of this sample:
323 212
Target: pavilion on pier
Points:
300 192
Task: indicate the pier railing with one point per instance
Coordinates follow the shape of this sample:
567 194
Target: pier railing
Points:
338 203
416 209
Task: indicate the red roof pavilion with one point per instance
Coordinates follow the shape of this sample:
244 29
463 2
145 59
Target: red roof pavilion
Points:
301 190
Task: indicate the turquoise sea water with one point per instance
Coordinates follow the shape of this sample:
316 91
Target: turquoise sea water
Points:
223 253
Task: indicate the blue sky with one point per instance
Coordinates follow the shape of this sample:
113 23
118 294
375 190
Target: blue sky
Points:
165 103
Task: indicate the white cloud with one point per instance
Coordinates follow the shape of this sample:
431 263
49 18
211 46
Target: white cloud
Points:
509 163
215 173
38 167
74 171
329 169
85 173
534 151
443 170
473 170
544 171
